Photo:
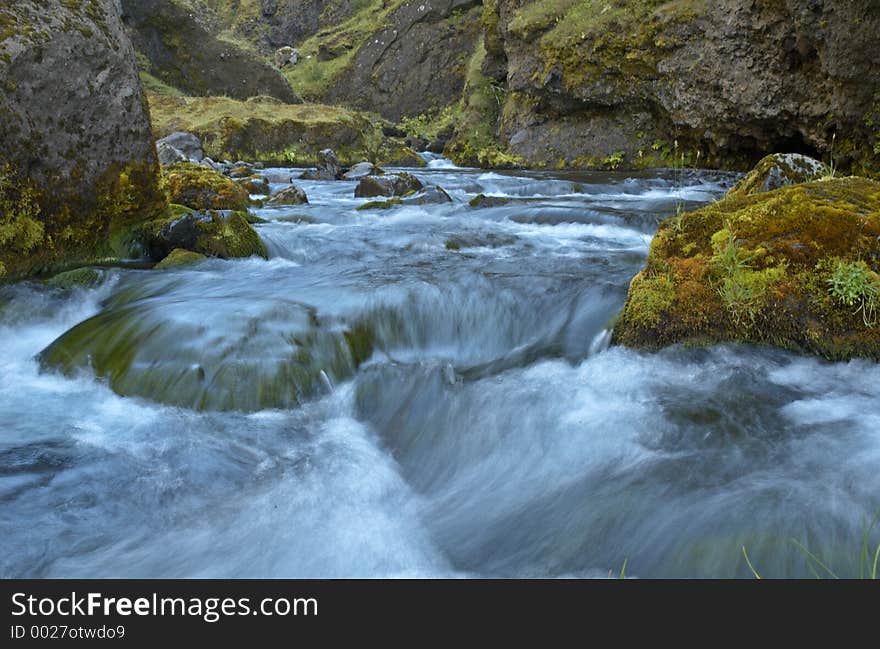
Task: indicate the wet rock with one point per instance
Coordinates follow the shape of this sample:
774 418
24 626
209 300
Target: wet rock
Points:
387 185
214 233
481 200
328 167
241 170
278 177
292 195
255 185
178 258
362 169
431 195
81 277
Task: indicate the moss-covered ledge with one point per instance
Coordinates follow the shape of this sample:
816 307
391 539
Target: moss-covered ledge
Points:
795 268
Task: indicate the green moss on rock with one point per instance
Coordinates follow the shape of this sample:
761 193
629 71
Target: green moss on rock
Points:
763 269
179 258
203 188
81 277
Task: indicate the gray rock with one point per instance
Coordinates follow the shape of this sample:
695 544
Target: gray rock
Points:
286 56
387 185
278 177
73 117
187 143
292 195
779 170
328 167
362 169
168 155
431 195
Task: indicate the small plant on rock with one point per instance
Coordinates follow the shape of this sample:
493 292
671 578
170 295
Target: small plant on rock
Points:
853 284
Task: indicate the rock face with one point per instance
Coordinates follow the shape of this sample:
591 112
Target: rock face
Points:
416 63
328 167
78 163
779 170
587 84
796 268
184 52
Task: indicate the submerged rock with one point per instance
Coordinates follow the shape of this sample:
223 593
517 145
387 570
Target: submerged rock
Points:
292 195
387 185
481 200
203 188
779 170
81 277
796 268
211 353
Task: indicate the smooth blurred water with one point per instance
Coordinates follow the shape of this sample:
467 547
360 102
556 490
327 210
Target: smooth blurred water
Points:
417 392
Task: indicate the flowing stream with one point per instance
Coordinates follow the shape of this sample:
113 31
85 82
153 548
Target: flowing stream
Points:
425 391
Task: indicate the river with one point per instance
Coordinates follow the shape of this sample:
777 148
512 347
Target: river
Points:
425 391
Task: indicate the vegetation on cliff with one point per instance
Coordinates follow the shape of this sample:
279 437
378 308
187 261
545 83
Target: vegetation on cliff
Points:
796 267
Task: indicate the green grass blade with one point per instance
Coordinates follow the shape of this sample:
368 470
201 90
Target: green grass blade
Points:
749 563
810 556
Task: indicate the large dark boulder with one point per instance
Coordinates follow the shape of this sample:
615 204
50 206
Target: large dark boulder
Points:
78 163
387 185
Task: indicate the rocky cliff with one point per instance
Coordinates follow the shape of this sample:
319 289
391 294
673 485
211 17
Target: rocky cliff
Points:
180 47
77 159
639 82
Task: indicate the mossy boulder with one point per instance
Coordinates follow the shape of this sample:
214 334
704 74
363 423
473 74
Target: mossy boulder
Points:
203 188
779 170
402 157
78 165
387 185
292 195
216 233
795 267
255 185
78 278
179 258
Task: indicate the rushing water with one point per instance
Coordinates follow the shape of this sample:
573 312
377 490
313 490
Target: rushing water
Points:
423 391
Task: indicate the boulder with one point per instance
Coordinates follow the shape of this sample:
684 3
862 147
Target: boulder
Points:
481 200
387 185
796 268
178 258
361 169
203 188
292 195
168 155
187 143
431 195
78 165
213 233
78 278
255 185
402 157
779 170
328 167
286 56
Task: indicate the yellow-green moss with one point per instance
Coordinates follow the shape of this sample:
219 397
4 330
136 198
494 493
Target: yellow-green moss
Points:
756 269
270 132
202 188
229 237
179 258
